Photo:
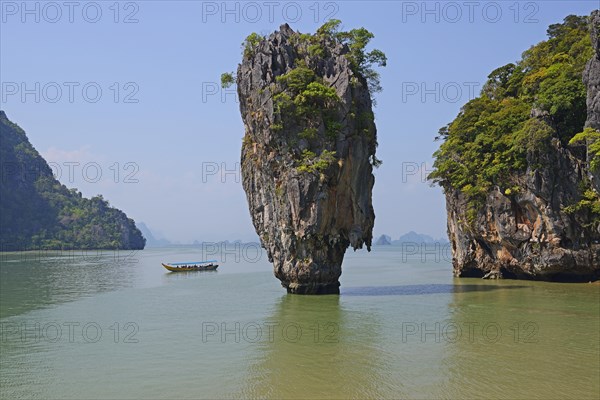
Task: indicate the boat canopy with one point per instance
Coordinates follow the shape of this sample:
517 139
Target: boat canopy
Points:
193 262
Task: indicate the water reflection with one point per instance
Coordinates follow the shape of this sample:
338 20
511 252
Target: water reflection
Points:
405 290
386 341
30 280
542 336
170 277
338 353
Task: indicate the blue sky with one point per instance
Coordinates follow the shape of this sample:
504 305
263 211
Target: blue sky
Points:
129 90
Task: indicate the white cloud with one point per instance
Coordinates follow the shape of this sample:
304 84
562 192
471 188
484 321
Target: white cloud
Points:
81 155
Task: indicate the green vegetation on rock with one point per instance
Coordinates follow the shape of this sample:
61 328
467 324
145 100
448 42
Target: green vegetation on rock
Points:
362 62
302 98
38 212
522 108
590 200
589 204
312 163
591 139
250 43
227 79
304 101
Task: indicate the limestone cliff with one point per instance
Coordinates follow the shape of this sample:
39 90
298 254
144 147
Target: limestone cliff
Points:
307 155
533 213
37 212
528 235
591 75
591 79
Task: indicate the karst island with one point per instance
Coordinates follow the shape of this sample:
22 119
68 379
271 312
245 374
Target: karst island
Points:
520 164
309 148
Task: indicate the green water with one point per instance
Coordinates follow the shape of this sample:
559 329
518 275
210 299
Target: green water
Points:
119 326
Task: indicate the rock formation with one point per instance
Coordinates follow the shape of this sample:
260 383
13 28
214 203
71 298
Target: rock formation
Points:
307 155
37 212
591 79
591 75
530 234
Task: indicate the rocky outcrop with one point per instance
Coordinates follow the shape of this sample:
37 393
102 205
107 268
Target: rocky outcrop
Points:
306 210
528 235
591 79
37 212
591 75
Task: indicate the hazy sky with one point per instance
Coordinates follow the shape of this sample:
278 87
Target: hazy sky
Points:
129 90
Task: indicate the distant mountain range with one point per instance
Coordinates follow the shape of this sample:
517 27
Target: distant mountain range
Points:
410 237
151 240
383 240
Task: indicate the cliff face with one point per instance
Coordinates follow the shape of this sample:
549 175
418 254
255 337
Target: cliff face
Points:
38 212
530 233
591 75
307 174
591 79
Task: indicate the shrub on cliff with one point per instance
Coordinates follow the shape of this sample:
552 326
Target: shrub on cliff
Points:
362 62
305 103
591 139
38 212
357 40
488 143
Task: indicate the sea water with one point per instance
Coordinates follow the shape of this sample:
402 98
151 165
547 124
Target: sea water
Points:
80 325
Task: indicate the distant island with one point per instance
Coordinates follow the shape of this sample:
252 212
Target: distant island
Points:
38 212
383 240
151 240
410 237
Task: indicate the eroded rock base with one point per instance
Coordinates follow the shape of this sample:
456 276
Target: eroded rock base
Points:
312 288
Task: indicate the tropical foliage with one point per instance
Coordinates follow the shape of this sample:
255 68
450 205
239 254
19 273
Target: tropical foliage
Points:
522 108
250 43
227 79
591 139
303 99
38 212
362 62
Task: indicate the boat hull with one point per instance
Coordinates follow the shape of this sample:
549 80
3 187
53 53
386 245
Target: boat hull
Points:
189 269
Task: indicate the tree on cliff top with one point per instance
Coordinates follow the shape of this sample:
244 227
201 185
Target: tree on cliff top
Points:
492 136
302 98
361 61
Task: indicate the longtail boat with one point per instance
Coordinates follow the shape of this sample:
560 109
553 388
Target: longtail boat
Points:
209 265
